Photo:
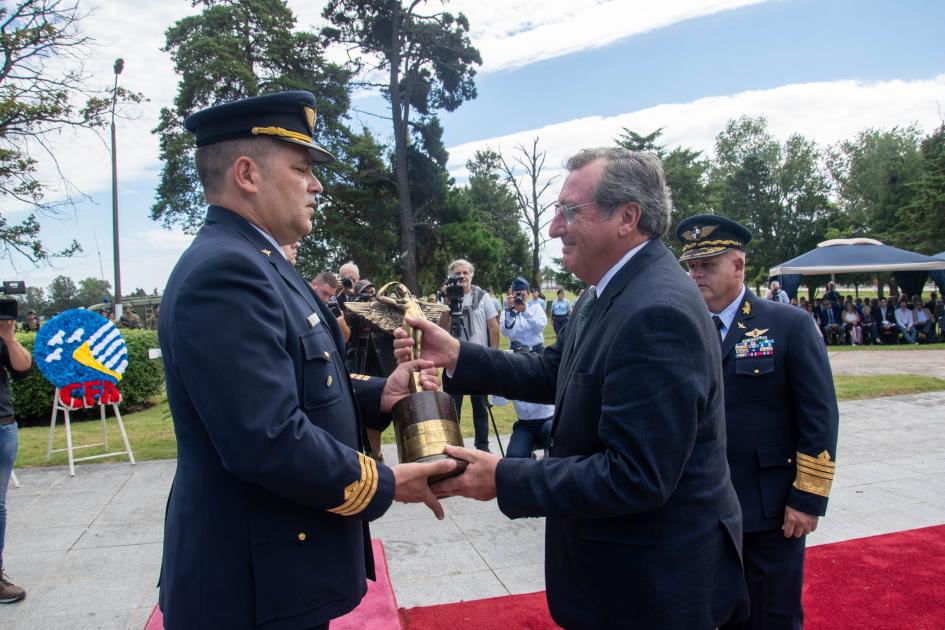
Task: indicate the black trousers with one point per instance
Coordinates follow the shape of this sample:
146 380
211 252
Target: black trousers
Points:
774 571
480 418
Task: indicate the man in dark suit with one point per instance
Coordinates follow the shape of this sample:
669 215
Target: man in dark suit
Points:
780 413
643 525
266 523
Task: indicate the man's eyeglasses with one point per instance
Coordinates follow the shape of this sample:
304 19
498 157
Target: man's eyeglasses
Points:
569 210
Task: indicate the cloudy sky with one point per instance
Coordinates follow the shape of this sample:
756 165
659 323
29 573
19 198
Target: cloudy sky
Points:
572 74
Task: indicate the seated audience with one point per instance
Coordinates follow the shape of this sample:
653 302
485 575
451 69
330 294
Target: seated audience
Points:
851 324
924 322
886 323
869 326
906 321
830 322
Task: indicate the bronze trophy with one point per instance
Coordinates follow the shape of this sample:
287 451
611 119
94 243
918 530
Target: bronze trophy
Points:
424 421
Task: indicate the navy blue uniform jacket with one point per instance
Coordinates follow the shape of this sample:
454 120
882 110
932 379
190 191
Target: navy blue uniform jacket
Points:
268 431
781 414
643 527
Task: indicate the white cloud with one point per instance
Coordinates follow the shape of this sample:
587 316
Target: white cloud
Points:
825 112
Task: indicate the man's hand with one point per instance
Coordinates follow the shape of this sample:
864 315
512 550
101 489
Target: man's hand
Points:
397 386
797 523
521 307
7 327
410 483
438 346
476 482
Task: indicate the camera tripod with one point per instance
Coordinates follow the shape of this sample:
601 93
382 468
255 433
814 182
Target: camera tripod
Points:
458 331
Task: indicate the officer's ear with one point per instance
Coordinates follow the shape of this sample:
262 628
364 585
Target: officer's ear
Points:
246 174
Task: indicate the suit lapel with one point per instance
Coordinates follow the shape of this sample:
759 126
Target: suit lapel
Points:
569 358
740 325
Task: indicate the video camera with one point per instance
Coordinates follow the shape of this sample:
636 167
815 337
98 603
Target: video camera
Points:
8 306
453 292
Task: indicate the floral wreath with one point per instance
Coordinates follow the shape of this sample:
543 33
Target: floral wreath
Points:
84 356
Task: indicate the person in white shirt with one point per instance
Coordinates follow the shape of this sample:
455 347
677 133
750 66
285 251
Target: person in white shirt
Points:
523 322
906 321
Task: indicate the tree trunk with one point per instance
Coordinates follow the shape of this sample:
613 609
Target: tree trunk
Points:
408 237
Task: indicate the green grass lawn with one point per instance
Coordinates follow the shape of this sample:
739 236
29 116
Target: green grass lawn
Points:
152 433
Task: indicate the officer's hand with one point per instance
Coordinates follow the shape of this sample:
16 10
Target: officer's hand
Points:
476 482
798 523
410 483
438 346
397 386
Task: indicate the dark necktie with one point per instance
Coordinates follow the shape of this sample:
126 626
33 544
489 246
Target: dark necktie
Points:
718 325
585 313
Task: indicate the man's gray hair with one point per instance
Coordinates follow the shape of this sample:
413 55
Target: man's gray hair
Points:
630 176
462 262
213 160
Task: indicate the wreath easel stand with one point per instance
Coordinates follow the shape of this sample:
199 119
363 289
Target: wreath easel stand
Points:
59 406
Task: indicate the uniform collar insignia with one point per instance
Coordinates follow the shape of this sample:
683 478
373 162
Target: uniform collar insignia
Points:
741 325
757 332
746 307
267 252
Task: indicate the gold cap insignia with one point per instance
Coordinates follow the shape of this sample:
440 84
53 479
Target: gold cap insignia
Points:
267 252
746 308
757 332
698 232
310 118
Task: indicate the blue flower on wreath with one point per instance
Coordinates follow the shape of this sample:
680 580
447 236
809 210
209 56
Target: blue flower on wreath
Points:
79 346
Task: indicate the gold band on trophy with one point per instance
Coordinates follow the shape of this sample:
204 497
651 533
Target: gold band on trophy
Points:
426 438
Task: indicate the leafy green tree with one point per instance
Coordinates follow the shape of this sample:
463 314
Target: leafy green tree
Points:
495 207
875 176
923 219
564 278
686 174
230 50
780 192
94 291
43 91
428 60
357 224
63 295
33 300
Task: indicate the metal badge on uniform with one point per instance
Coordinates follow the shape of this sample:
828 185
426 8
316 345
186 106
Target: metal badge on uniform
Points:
313 320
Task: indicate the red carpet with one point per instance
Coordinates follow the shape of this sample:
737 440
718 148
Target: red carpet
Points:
884 582
378 609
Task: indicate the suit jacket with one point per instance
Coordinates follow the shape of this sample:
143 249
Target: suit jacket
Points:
780 411
643 526
266 519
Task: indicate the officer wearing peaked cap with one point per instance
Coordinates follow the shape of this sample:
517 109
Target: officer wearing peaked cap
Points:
781 417
266 523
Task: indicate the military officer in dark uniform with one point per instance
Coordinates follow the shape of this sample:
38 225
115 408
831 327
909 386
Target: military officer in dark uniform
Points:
781 417
266 523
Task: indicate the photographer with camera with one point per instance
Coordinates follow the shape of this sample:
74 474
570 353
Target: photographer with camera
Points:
17 360
523 322
350 275
473 318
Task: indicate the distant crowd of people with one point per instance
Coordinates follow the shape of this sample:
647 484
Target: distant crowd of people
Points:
129 319
870 321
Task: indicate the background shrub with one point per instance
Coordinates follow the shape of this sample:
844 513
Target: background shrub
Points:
143 379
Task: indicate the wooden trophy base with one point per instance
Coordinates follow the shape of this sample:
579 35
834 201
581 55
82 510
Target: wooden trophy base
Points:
424 423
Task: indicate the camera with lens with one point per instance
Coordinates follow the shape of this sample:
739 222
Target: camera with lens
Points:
453 292
334 308
8 306
347 282
519 299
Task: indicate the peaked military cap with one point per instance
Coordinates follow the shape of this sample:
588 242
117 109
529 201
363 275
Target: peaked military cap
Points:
288 116
706 235
520 284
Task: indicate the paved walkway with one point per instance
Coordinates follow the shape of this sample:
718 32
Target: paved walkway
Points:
88 549
922 362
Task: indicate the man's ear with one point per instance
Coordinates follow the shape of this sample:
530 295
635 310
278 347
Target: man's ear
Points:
245 174
629 215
